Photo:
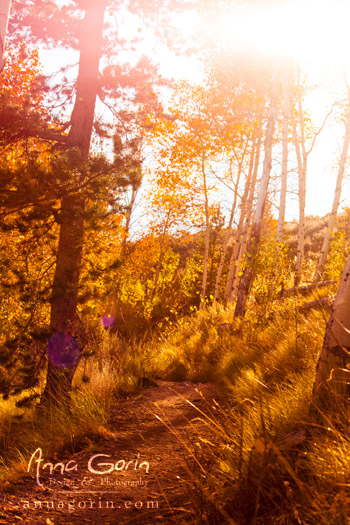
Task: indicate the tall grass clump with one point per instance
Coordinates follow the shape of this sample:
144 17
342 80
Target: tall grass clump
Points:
269 461
191 348
104 373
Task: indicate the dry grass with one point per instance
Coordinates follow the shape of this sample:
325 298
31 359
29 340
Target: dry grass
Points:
269 462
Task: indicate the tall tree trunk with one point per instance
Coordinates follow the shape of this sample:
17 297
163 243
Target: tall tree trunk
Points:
284 175
128 221
65 288
245 232
336 200
244 221
302 157
227 236
332 373
206 236
248 275
238 233
5 6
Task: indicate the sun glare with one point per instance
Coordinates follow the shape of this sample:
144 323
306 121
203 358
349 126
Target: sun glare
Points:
311 31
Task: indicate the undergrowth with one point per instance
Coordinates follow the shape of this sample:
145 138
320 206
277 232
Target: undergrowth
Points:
269 462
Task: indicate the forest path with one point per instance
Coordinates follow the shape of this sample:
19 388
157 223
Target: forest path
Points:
141 472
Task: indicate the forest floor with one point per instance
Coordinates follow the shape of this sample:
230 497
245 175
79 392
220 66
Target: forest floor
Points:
142 470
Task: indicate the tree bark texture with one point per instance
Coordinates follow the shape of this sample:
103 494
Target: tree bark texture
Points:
302 157
65 289
227 236
284 174
253 244
206 236
240 245
336 200
332 372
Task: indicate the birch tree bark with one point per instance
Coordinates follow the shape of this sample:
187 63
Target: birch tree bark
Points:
302 158
239 232
331 221
252 247
128 220
332 373
206 236
227 236
5 6
242 240
284 175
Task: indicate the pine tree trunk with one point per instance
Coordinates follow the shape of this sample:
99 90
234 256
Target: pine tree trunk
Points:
5 6
332 373
65 288
284 175
252 247
336 200
206 237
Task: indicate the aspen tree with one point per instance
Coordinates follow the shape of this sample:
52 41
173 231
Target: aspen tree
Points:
336 199
245 231
238 233
332 372
131 206
302 155
284 174
227 234
206 235
302 158
252 247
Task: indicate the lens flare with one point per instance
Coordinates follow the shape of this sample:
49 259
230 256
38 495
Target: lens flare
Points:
63 350
108 320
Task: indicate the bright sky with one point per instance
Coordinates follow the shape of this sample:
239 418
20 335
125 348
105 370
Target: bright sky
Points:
315 33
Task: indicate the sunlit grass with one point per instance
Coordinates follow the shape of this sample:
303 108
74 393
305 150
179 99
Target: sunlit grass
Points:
268 461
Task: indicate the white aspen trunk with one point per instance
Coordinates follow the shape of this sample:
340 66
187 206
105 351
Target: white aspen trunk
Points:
332 373
302 158
336 200
248 276
227 237
301 178
234 259
284 175
241 253
223 253
128 220
301 226
245 233
5 6
301 155
206 238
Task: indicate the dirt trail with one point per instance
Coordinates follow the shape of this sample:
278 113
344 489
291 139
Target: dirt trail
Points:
139 473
